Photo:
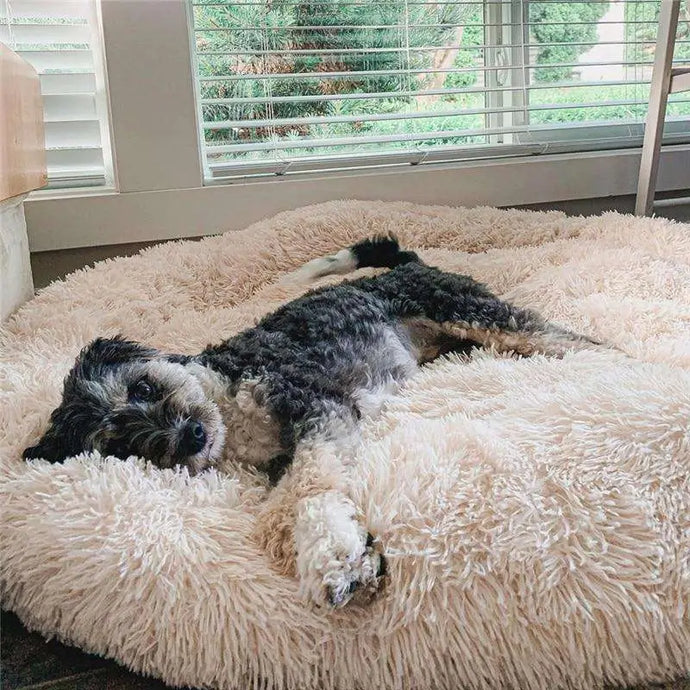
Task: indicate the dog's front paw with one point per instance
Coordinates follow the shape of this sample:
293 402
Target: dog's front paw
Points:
357 577
337 559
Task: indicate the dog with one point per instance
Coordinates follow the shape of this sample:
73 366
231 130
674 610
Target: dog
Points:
287 396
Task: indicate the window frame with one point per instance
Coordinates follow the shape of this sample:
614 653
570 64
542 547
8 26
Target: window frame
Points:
159 190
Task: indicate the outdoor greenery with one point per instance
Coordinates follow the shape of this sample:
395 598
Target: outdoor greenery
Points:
320 70
562 31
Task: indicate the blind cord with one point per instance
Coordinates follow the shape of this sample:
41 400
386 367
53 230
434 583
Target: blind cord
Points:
10 24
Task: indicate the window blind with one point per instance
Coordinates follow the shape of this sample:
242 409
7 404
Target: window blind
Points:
60 38
290 86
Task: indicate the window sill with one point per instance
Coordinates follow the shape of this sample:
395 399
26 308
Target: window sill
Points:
61 219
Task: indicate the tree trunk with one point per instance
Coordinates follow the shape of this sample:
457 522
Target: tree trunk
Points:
443 59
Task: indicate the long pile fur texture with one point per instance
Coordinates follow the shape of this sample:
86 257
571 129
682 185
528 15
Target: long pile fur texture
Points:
535 513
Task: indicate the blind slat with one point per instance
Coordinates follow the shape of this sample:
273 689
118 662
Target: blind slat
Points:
73 134
63 160
364 160
221 171
412 115
420 49
302 143
72 83
412 25
462 138
55 61
50 10
63 107
405 94
48 34
416 3
427 71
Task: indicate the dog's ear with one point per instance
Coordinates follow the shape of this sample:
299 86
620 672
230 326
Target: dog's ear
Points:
65 435
51 448
104 353
81 409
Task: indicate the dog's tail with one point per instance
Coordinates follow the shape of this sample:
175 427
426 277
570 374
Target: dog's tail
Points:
377 252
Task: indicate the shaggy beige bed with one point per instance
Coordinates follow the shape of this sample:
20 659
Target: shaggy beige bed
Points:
535 513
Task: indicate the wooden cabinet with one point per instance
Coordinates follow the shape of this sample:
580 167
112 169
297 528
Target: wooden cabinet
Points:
22 169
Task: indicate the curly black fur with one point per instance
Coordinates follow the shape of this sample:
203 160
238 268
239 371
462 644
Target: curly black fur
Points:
381 252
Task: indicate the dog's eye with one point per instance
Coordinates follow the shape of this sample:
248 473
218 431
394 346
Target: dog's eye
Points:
141 391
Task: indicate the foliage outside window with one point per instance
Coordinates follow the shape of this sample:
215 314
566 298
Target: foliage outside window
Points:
283 79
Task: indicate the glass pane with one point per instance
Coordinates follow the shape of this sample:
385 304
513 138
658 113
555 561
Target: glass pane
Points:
592 61
349 72
296 82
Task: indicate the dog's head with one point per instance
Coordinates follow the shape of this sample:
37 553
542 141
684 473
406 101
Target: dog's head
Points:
122 398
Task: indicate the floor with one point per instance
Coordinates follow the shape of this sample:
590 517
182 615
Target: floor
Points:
27 661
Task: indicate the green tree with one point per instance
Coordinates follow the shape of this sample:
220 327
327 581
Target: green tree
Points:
250 41
568 24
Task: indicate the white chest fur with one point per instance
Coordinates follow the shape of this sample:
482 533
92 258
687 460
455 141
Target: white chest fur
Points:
252 435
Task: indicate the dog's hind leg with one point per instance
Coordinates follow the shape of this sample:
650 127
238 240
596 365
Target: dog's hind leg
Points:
445 311
309 524
466 321
432 339
541 338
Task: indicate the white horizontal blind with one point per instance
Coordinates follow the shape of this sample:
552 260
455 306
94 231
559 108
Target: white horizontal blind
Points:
60 38
287 86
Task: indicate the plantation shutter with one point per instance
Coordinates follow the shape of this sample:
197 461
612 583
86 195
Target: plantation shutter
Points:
290 86
60 39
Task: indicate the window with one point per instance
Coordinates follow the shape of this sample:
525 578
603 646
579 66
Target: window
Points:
61 39
289 86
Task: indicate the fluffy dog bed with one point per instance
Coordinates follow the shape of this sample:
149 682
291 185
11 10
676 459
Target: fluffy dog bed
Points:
535 513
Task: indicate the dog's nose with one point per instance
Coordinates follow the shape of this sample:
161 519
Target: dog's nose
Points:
193 438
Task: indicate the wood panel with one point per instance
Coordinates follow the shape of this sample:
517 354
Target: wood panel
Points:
22 141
